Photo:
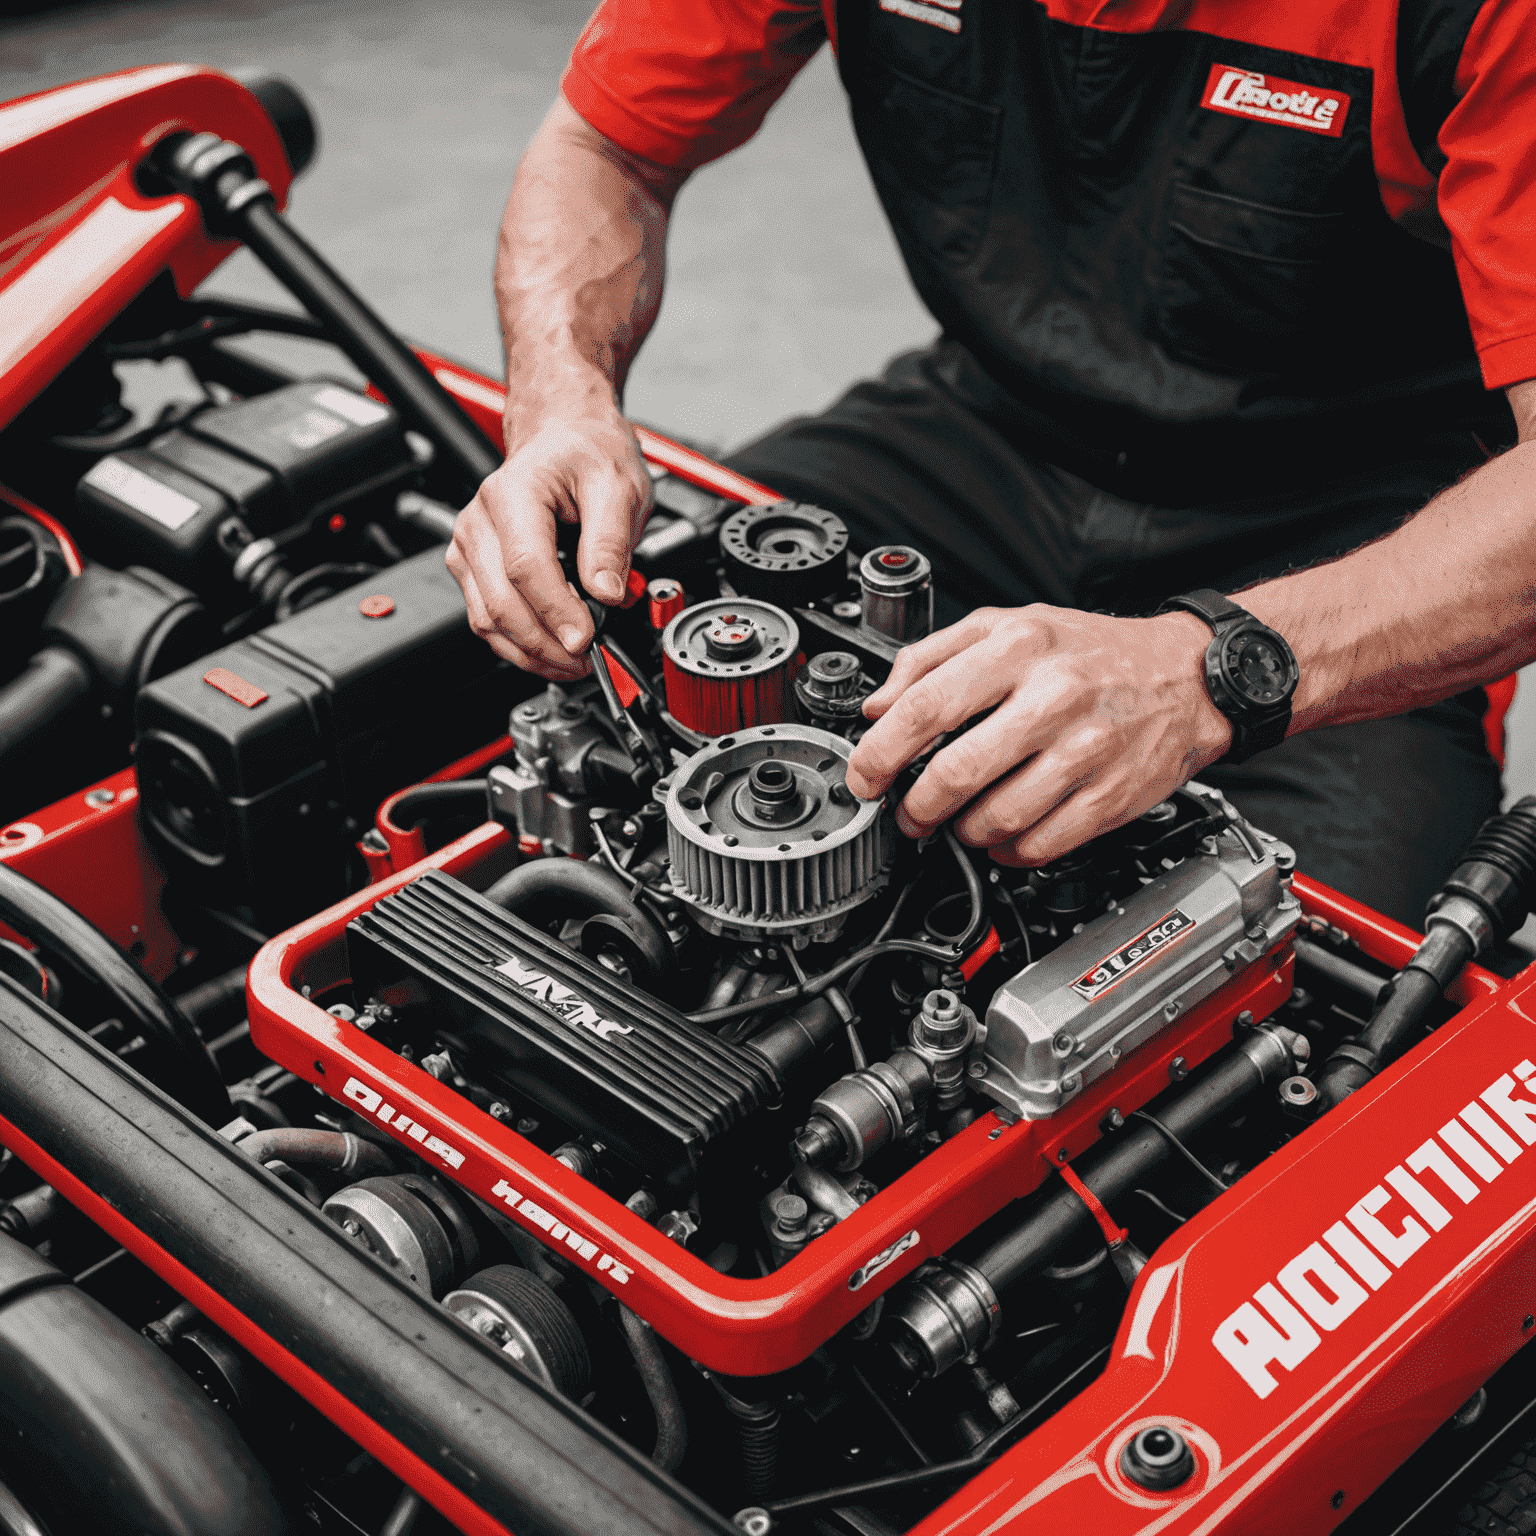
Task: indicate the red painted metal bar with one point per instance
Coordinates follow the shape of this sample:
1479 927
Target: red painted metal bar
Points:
747 1327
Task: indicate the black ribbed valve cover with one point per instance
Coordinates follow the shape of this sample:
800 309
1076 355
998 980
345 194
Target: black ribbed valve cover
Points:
521 1009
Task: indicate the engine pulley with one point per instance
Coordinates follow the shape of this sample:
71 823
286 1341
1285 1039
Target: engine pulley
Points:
766 838
784 553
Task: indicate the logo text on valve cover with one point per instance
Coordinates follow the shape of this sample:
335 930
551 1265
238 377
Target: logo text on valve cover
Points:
1247 93
1116 967
1326 1282
570 1007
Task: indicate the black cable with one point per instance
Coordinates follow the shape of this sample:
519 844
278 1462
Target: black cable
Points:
1179 1147
1146 1194
978 923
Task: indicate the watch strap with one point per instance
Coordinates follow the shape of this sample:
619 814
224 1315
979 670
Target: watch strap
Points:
1250 738
1216 609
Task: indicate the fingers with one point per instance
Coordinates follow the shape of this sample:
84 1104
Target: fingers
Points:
937 701
1076 820
612 509
501 618
521 511
921 657
962 770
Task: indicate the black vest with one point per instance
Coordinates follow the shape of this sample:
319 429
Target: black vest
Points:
1173 301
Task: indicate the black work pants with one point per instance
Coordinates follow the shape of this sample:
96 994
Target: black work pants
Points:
924 455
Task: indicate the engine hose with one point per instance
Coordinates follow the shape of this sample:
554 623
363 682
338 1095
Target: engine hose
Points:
105 1433
182 1066
656 1376
340 1151
1486 898
561 888
952 1309
51 684
977 925
210 998
758 1425
447 797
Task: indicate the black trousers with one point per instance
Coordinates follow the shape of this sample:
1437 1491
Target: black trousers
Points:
926 455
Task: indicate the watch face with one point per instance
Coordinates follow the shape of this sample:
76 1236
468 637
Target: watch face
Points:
1258 667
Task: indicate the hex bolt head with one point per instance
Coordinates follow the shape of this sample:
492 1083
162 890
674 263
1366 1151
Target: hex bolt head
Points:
1158 1457
1064 1043
1178 1070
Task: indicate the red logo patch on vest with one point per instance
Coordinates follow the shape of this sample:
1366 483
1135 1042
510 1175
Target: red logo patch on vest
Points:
1247 93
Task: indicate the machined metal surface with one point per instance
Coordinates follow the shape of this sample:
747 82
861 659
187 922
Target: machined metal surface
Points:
896 592
1068 1019
766 839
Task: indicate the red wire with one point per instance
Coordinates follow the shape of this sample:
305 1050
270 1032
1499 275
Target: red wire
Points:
52 524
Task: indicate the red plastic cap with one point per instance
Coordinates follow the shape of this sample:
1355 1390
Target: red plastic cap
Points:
378 606
235 686
634 589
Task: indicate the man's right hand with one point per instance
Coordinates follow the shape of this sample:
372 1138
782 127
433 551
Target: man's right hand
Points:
582 466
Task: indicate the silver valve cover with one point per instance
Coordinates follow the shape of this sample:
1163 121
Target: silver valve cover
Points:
1069 1018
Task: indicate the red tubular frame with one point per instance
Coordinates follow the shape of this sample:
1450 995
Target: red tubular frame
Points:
745 1327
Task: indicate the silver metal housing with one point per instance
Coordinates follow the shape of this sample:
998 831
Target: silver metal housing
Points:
1069 1018
791 867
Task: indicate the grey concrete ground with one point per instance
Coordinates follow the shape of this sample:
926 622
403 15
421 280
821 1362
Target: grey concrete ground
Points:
784 283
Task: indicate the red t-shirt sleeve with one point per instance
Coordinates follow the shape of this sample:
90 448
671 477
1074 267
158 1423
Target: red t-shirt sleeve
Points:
1487 193
684 81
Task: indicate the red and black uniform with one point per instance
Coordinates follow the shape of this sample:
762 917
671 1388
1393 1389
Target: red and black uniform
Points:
1224 286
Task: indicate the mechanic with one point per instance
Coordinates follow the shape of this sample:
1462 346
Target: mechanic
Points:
1228 291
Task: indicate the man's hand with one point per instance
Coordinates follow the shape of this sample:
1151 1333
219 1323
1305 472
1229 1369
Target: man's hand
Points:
1093 721
583 467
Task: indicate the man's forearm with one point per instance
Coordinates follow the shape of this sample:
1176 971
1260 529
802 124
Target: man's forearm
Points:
1444 603
579 269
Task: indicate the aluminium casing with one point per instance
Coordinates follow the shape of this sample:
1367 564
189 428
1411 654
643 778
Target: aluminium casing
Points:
1068 1019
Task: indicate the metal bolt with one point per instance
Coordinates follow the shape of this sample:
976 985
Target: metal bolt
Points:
499 1111
1112 1121
1071 1084
1158 1457
352 1228
978 1069
1338 1499
755 1521
1064 1043
99 797
1244 1020
1528 1323
1297 1094
1172 1010
1178 1070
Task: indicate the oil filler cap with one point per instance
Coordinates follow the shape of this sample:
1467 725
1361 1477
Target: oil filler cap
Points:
1158 1457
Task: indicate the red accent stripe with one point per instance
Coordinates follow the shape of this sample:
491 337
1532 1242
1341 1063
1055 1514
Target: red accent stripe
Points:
71 550
404 1463
628 689
1501 695
1113 1235
979 956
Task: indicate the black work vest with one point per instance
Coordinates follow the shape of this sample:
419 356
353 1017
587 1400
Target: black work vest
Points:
1176 302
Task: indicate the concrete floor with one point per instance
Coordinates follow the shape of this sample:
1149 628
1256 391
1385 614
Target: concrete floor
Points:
784 283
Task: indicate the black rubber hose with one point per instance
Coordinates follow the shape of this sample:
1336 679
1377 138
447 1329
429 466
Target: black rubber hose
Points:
182 1066
210 998
656 1376
452 797
106 1434
51 684
563 888
757 1430
977 924
1112 1170
340 1151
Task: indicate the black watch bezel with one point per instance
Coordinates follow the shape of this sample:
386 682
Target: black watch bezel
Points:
1257 724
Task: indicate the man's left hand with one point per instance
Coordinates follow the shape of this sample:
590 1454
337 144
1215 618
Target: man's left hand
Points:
1093 721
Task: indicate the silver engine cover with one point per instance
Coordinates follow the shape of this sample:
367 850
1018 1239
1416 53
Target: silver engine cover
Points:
1066 1020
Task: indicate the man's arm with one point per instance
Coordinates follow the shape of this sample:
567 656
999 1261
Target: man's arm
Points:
1096 719
578 281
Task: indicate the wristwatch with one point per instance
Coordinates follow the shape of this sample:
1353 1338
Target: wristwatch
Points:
1250 672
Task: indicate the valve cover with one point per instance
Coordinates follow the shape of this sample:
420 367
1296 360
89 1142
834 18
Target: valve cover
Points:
523 1011
1066 1020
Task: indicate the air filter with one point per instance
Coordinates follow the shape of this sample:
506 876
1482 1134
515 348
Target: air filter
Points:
730 663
